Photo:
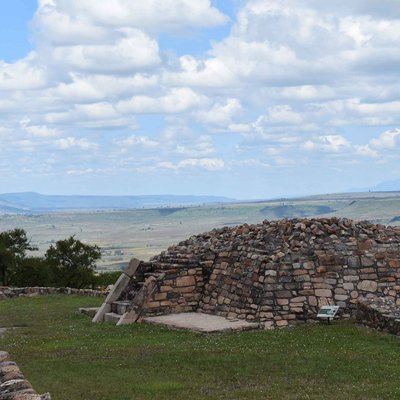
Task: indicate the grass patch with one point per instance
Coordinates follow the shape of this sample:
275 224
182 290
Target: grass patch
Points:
64 353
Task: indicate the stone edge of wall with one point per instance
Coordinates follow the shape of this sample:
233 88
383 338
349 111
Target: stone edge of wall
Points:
13 384
14 292
379 313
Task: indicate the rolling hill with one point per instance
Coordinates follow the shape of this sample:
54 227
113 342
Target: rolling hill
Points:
31 202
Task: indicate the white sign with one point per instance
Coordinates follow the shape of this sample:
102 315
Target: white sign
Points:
327 311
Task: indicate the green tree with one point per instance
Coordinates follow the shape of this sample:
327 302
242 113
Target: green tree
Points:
75 262
35 271
13 247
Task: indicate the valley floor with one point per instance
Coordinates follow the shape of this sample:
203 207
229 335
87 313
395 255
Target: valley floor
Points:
143 233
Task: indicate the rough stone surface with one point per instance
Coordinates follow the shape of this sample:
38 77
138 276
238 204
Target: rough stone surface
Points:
13 385
276 273
368 286
379 313
13 292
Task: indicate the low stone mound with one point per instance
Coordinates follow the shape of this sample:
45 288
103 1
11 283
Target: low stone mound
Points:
275 273
379 313
279 272
7 292
13 385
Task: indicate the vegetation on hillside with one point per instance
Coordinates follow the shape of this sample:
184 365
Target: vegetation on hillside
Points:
68 262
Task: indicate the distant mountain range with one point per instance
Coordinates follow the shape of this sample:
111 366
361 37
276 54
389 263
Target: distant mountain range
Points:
387 186
31 202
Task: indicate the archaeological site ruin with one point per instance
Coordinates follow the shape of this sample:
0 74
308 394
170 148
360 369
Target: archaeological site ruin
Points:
275 273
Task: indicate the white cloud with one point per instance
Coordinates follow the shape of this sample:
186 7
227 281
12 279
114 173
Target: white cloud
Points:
304 92
354 110
387 140
41 131
365 151
209 164
71 142
220 114
328 143
138 141
209 73
152 15
177 100
283 114
200 147
133 51
290 81
85 171
24 74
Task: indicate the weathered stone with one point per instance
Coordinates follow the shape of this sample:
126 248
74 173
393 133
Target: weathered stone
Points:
300 299
11 372
14 385
321 270
283 294
132 267
379 313
238 271
351 278
312 300
367 262
323 293
353 262
366 244
282 302
186 281
4 356
368 286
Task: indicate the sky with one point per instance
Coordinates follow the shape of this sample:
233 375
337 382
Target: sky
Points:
240 98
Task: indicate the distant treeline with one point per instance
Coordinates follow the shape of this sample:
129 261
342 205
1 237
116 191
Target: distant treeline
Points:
67 263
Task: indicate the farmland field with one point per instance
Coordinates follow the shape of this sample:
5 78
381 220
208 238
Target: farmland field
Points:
142 233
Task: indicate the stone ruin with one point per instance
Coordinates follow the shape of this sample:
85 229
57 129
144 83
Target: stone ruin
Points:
275 273
13 385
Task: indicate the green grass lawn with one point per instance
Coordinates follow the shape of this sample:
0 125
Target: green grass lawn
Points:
64 353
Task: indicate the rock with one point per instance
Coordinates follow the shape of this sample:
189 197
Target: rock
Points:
4 356
368 286
323 293
186 281
394 263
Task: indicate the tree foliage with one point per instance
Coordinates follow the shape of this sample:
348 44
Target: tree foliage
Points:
35 271
74 260
67 263
13 247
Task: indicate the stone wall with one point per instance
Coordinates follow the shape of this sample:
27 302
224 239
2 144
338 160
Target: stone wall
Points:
278 272
12 292
13 385
379 313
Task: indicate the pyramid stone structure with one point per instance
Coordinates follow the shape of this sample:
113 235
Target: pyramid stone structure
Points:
276 273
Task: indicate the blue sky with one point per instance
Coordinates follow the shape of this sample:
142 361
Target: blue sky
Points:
247 99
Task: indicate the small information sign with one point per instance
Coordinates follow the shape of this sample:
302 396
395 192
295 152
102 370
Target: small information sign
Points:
327 312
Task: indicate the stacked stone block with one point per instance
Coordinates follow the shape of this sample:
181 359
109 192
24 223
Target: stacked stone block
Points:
13 292
379 313
278 272
13 385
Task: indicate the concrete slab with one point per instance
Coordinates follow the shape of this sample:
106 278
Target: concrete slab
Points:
200 322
